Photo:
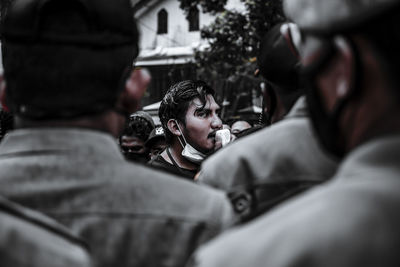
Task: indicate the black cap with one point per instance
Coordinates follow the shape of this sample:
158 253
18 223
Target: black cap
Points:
276 62
108 23
156 133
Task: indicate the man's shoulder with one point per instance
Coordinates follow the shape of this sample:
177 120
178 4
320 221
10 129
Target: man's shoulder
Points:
158 192
38 238
338 216
154 179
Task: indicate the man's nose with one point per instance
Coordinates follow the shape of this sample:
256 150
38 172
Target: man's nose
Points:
216 122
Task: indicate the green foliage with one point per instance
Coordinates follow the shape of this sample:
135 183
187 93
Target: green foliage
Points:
234 37
228 39
208 6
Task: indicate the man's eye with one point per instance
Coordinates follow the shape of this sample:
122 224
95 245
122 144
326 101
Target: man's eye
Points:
202 114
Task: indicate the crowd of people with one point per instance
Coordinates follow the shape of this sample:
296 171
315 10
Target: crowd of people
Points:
88 179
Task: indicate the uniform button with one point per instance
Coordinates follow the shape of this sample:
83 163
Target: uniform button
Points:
242 202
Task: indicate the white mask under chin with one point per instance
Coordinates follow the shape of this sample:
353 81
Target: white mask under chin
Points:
192 154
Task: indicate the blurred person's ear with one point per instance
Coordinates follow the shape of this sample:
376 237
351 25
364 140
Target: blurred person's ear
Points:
135 86
336 83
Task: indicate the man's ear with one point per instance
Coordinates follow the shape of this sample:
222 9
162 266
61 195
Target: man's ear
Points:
135 86
173 127
336 82
346 68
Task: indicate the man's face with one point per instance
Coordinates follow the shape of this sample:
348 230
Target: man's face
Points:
240 126
202 123
133 146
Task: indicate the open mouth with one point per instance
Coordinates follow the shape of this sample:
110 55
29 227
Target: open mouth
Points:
211 135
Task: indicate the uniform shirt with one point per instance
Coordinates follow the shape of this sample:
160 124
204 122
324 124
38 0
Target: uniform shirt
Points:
274 163
129 214
352 220
28 238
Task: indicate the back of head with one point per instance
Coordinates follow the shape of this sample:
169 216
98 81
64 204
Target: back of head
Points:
177 99
65 58
279 65
361 40
277 62
376 21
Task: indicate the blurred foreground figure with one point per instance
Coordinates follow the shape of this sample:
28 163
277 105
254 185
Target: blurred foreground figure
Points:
264 169
351 57
64 63
28 238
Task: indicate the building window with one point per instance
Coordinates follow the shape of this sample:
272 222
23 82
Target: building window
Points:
193 19
162 26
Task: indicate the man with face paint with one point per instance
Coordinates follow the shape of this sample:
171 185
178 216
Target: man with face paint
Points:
189 116
350 55
66 64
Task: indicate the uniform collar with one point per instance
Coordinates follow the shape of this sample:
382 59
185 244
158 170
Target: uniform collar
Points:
77 141
373 156
299 109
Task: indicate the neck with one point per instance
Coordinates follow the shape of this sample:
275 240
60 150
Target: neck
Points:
176 152
109 122
388 124
375 111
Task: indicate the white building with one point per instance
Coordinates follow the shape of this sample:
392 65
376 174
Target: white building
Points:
167 36
168 41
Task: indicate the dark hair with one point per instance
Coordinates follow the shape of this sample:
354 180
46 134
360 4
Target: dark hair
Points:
64 70
177 99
